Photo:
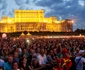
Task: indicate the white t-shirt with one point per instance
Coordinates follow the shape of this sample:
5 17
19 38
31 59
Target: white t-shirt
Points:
80 62
41 59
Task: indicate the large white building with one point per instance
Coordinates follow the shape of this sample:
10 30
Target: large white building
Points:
34 20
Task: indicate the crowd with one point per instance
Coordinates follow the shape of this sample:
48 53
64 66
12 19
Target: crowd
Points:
42 54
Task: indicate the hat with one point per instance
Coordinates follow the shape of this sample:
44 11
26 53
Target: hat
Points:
81 51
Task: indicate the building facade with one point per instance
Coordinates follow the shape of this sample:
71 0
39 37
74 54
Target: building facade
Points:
34 20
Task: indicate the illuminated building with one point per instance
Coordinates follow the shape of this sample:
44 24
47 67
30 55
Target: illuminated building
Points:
34 20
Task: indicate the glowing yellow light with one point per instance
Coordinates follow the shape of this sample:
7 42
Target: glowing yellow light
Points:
0 21
3 21
80 34
44 20
17 38
63 21
22 34
27 41
57 21
28 34
72 21
9 21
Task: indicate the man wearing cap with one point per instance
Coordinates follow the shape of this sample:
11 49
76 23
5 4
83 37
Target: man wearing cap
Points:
79 60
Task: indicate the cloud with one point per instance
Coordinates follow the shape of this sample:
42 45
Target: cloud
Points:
81 3
3 4
62 9
48 3
19 2
67 9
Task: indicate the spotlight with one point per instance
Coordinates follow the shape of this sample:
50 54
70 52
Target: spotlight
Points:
27 41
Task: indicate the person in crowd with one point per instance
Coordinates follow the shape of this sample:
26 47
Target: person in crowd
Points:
76 53
35 54
23 56
24 51
34 65
58 66
8 64
24 65
79 60
49 57
15 57
42 59
15 66
44 50
67 63
1 63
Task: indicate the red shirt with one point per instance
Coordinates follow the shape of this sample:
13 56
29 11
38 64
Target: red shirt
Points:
58 68
67 63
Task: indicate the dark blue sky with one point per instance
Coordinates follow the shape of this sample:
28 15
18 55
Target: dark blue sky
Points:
62 9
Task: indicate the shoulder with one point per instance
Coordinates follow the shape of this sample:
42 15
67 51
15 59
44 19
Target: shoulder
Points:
44 55
48 56
77 58
39 56
6 63
83 59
